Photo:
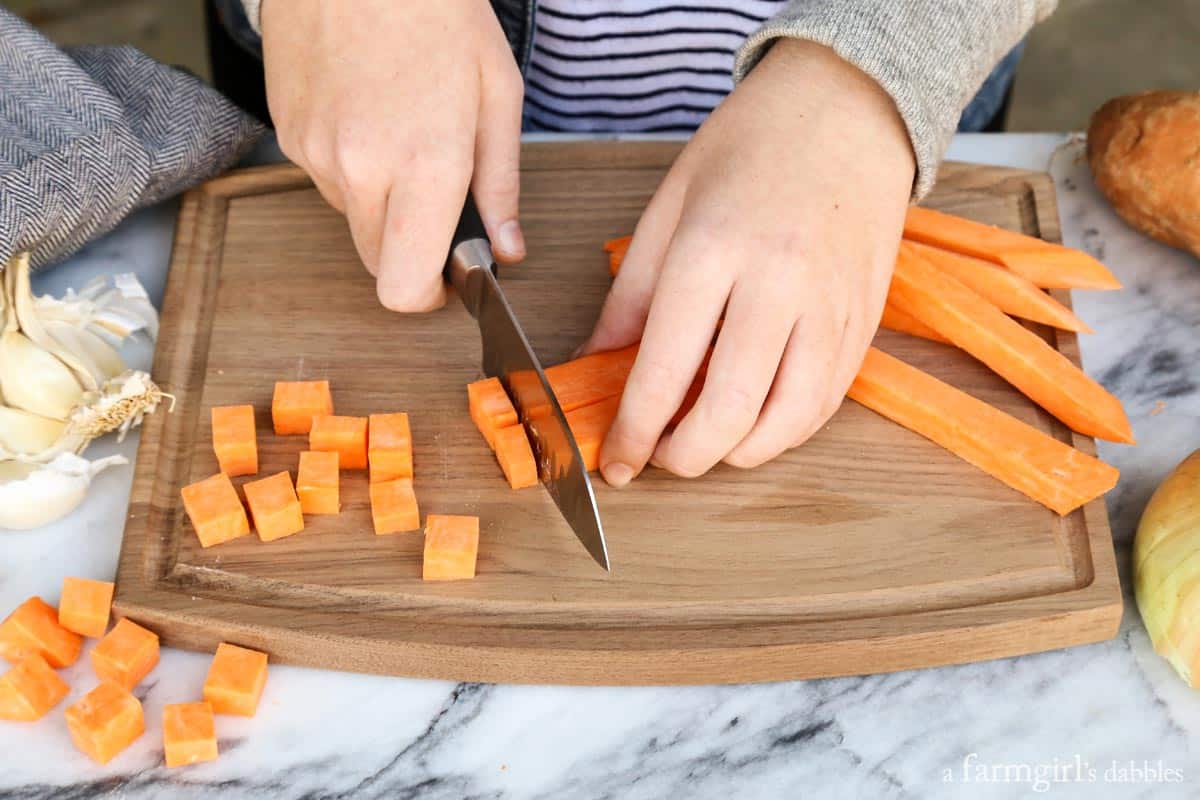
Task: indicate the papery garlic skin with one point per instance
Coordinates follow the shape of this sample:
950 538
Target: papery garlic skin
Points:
33 495
63 384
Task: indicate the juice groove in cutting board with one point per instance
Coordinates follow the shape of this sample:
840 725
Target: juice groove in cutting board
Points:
869 549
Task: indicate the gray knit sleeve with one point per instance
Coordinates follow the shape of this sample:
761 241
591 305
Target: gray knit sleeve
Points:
930 55
253 10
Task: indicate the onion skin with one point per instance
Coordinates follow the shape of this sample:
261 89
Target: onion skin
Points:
1166 569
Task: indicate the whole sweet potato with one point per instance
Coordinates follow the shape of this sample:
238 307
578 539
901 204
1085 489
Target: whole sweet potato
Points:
1144 151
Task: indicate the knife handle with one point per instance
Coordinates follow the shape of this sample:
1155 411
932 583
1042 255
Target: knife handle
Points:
470 253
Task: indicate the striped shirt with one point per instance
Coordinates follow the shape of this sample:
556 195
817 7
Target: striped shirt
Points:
635 65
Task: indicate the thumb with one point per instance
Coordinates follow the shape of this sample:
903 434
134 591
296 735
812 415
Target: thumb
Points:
628 303
496 183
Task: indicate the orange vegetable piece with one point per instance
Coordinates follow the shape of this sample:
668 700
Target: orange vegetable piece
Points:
389 448
346 436
896 320
1014 352
215 510
589 425
30 689
451 547
394 506
274 506
1038 465
234 440
317 482
592 378
1003 288
235 680
616 249
491 408
126 655
1049 266
105 721
34 628
516 457
296 403
189 734
85 606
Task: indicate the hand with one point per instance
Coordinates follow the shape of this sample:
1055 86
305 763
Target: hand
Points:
783 214
393 109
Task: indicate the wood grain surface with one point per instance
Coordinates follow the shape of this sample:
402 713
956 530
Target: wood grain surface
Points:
869 549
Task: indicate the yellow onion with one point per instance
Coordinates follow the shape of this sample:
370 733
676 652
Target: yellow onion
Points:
1166 569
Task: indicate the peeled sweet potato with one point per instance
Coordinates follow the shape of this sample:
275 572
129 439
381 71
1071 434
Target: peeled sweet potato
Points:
1144 151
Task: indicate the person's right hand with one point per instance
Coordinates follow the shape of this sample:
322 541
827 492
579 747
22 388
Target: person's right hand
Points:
394 109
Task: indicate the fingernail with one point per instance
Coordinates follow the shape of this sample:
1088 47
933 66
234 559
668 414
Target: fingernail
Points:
510 239
578 351
617 474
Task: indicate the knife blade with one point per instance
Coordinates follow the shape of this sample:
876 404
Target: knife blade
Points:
507 355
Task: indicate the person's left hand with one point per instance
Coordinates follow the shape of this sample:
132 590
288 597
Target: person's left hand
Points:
783 214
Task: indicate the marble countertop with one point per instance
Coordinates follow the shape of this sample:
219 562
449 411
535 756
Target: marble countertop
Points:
1106 720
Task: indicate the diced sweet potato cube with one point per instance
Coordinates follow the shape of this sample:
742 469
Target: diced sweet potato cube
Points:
85 606
317 482
451 545
394 506
346 436
235 680
105 721
491 408
126 655
189 734
295 403
34 628
516 457
234 439
274 506
30 689
389 449
215 510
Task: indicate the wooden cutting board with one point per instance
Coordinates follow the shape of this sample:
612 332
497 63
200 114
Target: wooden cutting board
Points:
869 549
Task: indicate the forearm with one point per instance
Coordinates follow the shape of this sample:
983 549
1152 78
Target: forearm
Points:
930 56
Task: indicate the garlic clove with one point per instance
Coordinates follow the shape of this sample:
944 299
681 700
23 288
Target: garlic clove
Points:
21 297
101 360
33 495
34 380
25 434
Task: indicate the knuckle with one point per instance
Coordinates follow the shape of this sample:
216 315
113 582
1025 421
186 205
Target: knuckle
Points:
686 457
658 379
751 456
624 438
358 162
733 405
510 83
699 235
406 298
500 182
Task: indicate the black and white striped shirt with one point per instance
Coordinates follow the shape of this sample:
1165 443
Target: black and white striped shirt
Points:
635 65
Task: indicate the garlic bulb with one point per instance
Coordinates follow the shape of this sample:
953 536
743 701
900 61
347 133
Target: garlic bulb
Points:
62 384
33 495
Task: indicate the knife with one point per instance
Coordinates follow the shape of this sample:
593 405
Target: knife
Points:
507 355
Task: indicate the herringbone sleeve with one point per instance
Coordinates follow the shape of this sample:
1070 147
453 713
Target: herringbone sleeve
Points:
90 134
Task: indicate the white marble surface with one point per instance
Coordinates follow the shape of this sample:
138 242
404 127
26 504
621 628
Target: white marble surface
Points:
906 735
